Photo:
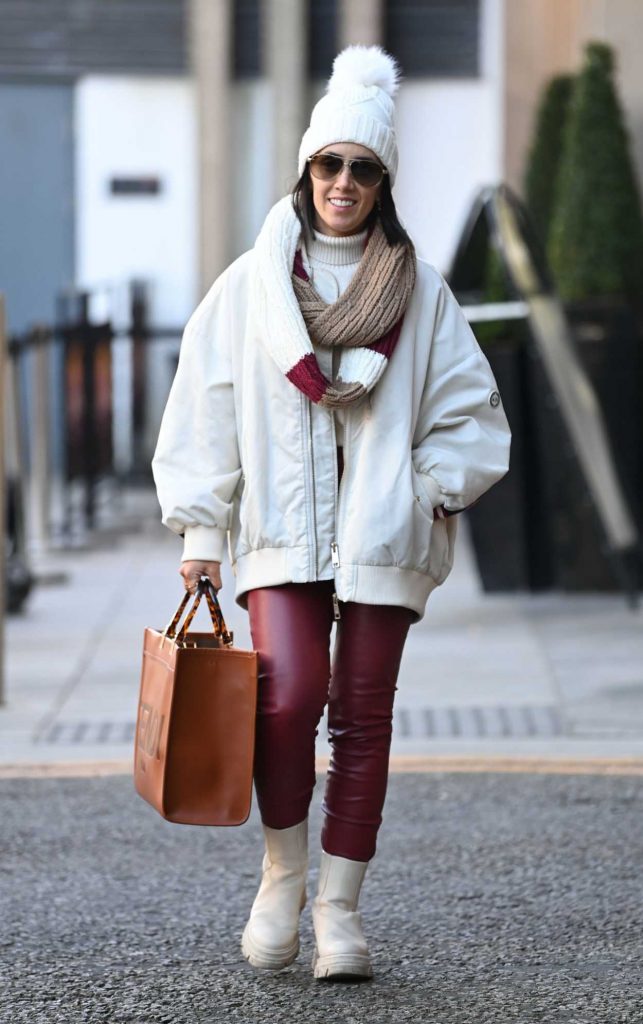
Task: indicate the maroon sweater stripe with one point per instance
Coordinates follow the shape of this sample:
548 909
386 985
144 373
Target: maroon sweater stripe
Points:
298 266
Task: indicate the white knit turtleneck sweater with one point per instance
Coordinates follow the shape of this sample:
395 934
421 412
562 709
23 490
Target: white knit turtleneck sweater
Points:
333 261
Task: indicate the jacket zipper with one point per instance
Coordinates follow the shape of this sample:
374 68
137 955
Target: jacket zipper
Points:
334 550
312 534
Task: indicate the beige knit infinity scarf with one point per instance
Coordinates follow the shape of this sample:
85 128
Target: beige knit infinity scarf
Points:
367 316
365 322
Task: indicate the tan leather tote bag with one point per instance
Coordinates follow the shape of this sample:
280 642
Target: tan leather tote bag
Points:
195 729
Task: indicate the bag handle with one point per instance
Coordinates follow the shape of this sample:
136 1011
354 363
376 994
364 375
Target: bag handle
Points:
221 631
206 586
170 629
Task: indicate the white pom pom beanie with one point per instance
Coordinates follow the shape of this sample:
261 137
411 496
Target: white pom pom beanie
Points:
357 107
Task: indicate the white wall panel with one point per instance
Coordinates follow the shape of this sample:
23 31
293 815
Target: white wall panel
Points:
450 137
127 127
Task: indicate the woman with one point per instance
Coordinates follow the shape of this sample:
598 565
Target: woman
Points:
330 413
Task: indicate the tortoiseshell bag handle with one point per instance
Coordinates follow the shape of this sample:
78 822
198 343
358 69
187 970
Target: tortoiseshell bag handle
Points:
170 629
221 631
206 586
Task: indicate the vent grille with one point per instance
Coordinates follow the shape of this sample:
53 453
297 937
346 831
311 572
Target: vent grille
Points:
423 723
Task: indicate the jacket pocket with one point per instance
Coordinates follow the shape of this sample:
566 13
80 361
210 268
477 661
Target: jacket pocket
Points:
422 496
438 551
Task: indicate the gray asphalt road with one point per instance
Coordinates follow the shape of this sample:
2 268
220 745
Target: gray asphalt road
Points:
508 898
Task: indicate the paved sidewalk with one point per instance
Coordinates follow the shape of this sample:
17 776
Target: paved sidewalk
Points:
492 899
515 676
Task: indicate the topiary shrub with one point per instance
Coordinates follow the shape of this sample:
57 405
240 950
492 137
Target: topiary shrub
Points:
595 242
543 160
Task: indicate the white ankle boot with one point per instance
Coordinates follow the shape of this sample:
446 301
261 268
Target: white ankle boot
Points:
271 936
341 950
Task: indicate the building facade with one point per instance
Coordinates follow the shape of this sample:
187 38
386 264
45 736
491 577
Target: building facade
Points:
122 159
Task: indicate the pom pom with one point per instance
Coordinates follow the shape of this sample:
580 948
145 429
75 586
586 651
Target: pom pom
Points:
364 65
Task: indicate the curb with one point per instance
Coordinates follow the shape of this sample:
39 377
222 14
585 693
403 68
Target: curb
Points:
398 763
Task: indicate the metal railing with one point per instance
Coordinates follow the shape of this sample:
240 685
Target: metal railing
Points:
3 406
63 478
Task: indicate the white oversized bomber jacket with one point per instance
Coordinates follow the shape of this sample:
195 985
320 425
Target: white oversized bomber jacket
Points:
243 454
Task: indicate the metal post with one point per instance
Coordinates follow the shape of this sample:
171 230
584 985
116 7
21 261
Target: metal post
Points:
89 432
139 467
19 579
210 44
286 65
72 404
3 497
38 535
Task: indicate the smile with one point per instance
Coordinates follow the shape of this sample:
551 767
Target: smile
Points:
342 202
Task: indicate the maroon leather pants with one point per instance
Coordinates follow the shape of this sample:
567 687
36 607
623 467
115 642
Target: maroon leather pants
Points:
290 626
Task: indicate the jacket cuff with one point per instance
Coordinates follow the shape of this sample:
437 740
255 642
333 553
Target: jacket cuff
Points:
432 487
204 543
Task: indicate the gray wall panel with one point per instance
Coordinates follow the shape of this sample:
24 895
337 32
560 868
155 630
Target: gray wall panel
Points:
36 199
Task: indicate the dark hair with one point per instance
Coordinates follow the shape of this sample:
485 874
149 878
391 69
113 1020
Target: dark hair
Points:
302 199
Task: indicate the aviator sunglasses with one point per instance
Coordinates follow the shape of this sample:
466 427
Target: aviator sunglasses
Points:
327 166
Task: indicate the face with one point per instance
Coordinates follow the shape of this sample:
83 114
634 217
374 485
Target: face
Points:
341 205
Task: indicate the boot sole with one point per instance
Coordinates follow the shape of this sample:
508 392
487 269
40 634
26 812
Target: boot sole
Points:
340 967
267 959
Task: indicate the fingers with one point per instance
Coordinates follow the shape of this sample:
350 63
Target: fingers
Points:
191 584
215 579
192 573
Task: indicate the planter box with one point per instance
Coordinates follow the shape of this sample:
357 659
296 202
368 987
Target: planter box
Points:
610 350
509 530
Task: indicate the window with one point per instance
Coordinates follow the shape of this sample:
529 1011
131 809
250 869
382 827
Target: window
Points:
322 37
434 38
246 39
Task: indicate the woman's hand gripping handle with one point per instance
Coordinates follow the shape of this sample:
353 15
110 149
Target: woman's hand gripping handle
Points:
192 570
